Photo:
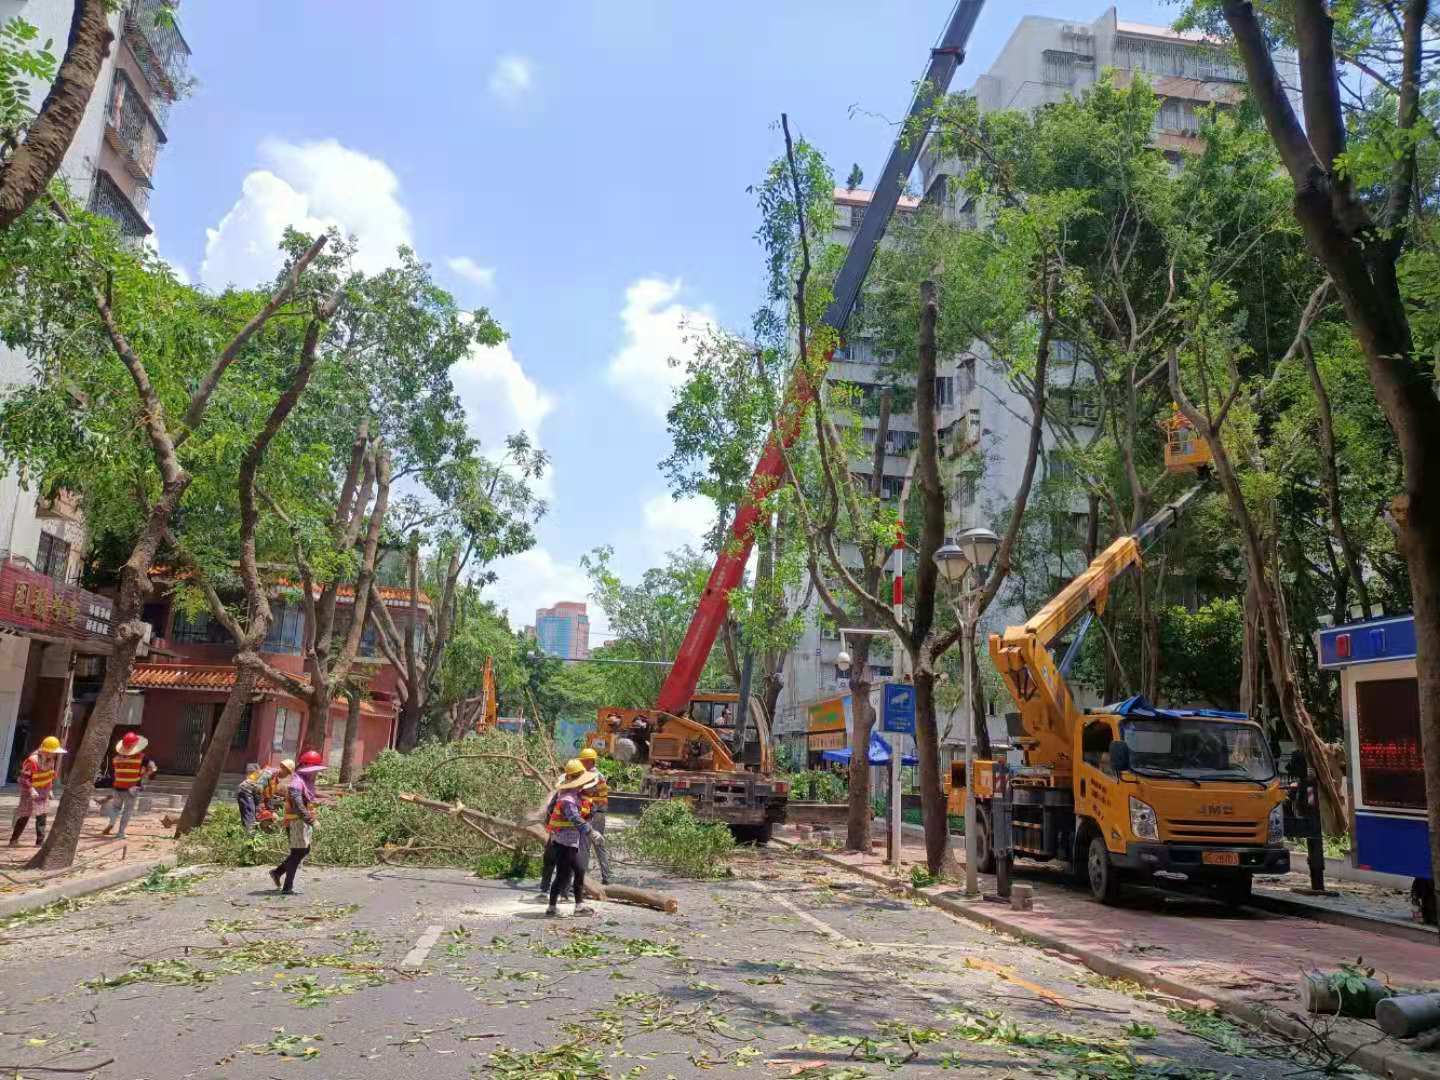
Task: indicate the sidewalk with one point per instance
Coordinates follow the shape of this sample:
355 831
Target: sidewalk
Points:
1246 962
100 861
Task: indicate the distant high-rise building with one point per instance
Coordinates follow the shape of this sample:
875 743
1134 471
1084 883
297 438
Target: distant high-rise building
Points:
563 630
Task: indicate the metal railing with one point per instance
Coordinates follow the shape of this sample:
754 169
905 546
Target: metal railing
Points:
157 43
109 201
133 132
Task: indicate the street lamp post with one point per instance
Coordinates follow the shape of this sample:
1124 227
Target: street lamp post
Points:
974 549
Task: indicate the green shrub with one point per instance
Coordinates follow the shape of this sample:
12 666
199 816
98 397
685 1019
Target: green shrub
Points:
819 785
668 835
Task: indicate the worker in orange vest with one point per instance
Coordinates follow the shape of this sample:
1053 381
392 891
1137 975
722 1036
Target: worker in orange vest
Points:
300 799
131 769
37 777
599 797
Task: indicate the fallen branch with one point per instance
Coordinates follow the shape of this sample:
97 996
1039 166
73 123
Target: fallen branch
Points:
482 822
525 766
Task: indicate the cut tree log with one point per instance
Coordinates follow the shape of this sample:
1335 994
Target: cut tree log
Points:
488 825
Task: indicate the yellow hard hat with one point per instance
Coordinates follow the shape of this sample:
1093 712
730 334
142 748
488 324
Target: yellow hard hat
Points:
51 745
588 756
573 768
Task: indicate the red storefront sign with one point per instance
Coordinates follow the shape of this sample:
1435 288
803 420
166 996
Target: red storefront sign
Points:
33 602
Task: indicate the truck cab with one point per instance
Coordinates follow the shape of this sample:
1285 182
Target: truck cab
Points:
1192 792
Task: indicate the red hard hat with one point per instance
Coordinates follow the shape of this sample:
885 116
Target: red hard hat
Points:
311 757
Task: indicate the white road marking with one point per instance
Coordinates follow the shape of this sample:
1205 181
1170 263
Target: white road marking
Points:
415 958
803 916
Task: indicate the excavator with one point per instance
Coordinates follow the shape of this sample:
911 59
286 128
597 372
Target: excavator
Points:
1125 791
683 737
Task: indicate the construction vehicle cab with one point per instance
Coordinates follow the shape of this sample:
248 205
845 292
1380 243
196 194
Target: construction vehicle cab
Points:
1126 790
691 757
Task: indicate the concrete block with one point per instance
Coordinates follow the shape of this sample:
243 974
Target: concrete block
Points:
1022 897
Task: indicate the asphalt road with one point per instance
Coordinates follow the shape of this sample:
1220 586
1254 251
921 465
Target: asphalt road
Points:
787 969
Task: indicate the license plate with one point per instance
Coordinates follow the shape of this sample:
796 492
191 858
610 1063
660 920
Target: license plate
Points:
1221 858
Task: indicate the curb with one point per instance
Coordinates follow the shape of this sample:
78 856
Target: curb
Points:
83 886
1396 1063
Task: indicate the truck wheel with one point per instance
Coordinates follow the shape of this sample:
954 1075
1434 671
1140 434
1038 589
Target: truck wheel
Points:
984 847
1104 881
1236 891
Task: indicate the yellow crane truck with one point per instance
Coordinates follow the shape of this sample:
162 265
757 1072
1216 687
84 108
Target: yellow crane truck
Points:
1125 791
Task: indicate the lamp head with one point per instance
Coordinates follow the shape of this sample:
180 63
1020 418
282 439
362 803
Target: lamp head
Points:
842 661
979 546
951 561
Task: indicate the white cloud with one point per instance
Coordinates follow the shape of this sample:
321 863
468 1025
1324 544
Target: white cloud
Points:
512 78
535 579
309 186
501 399
673 523
471 271
658 329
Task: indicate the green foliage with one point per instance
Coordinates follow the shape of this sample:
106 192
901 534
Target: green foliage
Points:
21 62
921 878
818 785
621 775
354 827
669 835
1202 651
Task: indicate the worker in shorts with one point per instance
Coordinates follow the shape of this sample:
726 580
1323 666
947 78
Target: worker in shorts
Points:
599 796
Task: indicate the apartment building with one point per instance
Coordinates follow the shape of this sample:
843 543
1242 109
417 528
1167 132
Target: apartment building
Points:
563 630
53 634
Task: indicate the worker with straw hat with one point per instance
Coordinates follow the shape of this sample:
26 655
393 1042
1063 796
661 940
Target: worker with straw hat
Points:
569 830
260 789
300 799
37 777
131 769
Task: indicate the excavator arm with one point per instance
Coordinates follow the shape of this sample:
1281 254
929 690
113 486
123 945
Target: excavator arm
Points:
769 472
1022 655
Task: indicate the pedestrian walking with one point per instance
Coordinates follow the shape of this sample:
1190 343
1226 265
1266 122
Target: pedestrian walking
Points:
37 778
570 831
599 797
259 790
131 769
300 799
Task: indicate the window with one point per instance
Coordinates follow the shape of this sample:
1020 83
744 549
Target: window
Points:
1059 467
1178 117
198 629
287 629
241 739
891 486
965 376
107 200
1392 773
53 557
901 442
944 390
1095 742
1059 67
1069 529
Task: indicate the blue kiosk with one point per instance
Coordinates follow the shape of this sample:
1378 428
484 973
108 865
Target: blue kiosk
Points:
1380 702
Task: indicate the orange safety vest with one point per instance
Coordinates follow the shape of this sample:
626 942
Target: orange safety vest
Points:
128 769
40 779
558 822
601 796
290 814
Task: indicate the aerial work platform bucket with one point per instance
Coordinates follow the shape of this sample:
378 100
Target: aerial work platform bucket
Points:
1185 450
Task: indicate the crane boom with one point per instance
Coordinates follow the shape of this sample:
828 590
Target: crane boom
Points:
1022 654
729 567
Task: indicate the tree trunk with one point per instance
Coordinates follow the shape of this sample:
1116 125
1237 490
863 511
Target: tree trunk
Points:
29 170
348 762
1330 474
202 788
1251 660
1422 542
861 811
316 724
409 735
932 794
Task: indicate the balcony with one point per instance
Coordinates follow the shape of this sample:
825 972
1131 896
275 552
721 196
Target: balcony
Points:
154 37
132 130
108 200
34 605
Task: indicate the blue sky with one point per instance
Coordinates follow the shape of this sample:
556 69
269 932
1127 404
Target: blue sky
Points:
579 168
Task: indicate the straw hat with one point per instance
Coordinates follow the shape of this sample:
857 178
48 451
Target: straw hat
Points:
288 764
51 745
131 743
576 775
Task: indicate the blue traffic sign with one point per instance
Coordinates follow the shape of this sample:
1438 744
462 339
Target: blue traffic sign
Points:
897 709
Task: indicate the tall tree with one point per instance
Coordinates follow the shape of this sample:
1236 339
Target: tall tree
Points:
88 310
1359 189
